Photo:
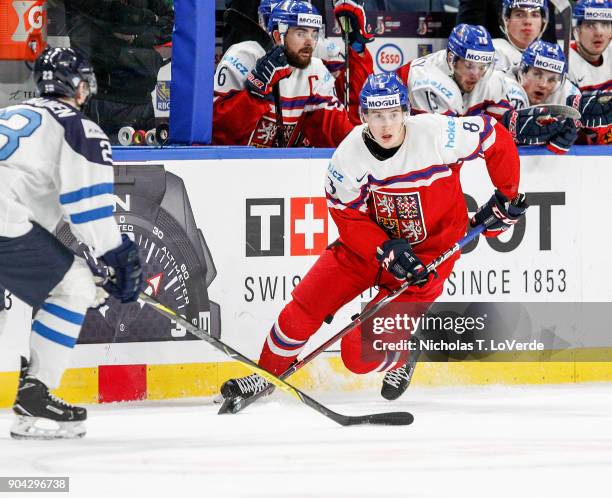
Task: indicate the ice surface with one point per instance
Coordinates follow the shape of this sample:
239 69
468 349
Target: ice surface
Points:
534 442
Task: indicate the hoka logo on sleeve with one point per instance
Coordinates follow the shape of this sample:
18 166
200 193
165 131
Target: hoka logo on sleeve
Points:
383 101
549 64
594 14
480 57
310 21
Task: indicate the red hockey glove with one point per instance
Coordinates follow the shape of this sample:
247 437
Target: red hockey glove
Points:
268 71
351 16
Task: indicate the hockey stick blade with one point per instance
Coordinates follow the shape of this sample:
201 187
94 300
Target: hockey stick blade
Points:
557 110
234 405
393 418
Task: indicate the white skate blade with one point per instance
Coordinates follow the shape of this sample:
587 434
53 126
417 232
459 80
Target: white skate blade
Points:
26 427
218 399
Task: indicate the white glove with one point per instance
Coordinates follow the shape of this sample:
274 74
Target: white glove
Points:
101 294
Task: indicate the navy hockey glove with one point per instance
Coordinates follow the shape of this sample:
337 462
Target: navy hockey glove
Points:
269 70
127 281
499 213
350 14
563 140
527 129
595 108
396 256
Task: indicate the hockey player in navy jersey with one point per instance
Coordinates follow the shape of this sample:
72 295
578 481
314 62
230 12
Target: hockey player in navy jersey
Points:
394 192
56 164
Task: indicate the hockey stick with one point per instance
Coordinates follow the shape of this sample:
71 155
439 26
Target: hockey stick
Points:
346 25
564 9
556 111
390 418
234 405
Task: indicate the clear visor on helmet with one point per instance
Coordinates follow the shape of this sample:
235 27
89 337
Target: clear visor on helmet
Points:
460 64
382 117
605 26
90 78
548 79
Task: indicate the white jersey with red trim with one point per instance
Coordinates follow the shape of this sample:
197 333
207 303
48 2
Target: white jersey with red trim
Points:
433 90
519 99
587 76
305 90
416 193
507 56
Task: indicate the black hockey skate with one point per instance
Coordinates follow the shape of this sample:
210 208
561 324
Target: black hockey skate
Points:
244 387
396 382
40 415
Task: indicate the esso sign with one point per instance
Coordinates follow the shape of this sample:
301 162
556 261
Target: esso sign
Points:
389 57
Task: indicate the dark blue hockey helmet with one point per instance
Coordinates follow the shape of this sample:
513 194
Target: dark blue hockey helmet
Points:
291 13
592 10
509 5
58 72
383 91
264 10
544 55
472 43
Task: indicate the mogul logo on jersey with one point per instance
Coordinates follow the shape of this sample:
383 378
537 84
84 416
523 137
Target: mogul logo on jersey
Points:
401 214
591 14
265 226
31 16
310 20
163 95
383 102
481 57
548 64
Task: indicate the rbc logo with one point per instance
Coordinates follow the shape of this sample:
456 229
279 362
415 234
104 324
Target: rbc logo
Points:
389 57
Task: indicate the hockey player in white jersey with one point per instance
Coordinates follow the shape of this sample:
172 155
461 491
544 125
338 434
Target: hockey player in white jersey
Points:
590 65
540 78
56 164
394 192
306 110
523 22
458 81
331 53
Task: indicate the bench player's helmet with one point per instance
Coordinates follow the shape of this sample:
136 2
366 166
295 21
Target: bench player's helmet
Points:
264 10
292 13
508 5
59 71
592 10
471 43
545 56
383 91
